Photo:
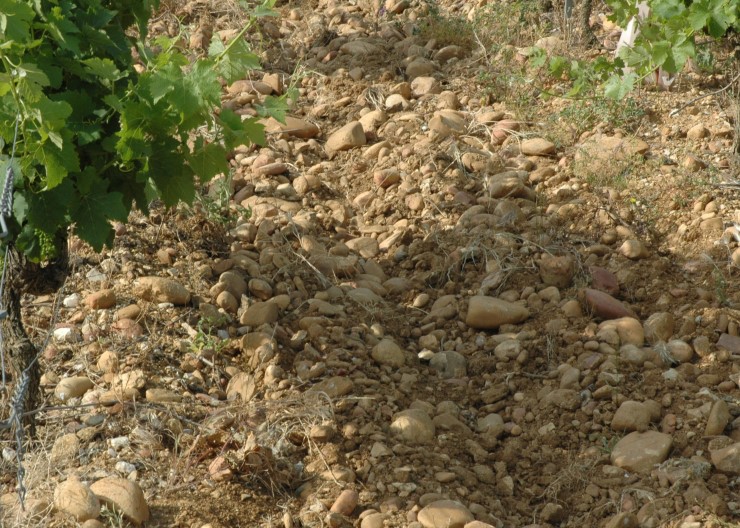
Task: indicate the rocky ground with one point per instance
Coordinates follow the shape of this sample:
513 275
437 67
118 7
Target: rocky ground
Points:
435 299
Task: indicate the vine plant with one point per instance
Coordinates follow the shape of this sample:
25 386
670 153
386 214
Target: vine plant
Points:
97 137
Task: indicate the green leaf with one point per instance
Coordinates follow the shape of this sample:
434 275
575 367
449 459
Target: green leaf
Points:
49 210
173 180
233 61
241 132
103 68
58 162
15 20
92 216
208 160
617 87
273 107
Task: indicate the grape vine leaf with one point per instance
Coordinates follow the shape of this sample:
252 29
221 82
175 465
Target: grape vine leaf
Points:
92 217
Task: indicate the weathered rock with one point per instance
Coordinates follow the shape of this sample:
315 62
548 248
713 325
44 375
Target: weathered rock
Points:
628 329
74 498
346 502
293 126
640 452
631 416
444 514
414 426
65 450
604 280
72 387
161 290
241 385
659 327
334 387
634 249
447 123
557 270
719 417
487 313
537 147
425 85
604 305
727 459
124 496
387 352
101 300
260 313
349 136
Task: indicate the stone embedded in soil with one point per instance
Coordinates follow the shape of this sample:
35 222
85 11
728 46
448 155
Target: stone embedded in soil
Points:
503 129
488 313
76 499
680 351
162 396
730 343
65 450
414 426
72 387
444 514
634 249
537 147
447 123
260 313
598 150
719 417
293 126
387 352
623 520
425 85
604 305
161 290
101 300
346 503
629 330
631 416
697 131
349 136
604 280
124 496
374 520
567 399
641 452
241 385
556 270
727 459
334 387
386 177
659 327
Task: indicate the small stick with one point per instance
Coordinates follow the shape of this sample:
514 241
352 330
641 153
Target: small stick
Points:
675 112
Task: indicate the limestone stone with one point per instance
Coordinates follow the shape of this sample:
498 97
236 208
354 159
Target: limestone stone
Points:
631 416
347 137
161 290
123 495
72 387
445 514
487 313
640 452
414 426
75 498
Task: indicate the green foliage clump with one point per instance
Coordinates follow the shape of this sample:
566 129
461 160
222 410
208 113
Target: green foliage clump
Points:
96 136
667 36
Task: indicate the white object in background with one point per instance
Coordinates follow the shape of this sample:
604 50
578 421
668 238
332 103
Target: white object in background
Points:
663 79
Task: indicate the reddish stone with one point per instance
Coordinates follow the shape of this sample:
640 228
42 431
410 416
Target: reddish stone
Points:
604 305
730 343
604 280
